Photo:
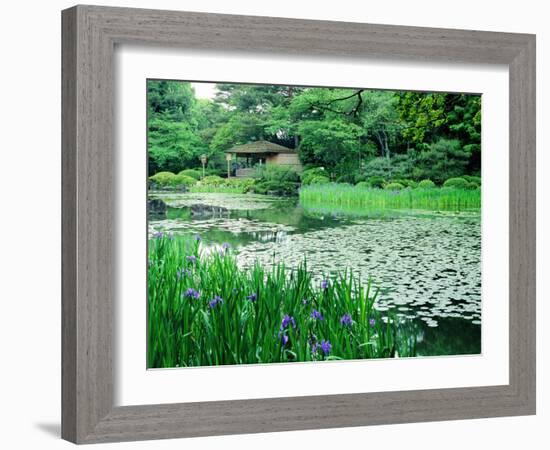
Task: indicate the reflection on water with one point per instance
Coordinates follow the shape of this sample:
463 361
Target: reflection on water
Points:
427 265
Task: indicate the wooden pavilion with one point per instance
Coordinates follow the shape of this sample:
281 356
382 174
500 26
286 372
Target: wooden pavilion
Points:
249 155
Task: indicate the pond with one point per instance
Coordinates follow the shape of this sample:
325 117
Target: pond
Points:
426 265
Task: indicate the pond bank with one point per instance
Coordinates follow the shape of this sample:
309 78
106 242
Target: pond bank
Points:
427 264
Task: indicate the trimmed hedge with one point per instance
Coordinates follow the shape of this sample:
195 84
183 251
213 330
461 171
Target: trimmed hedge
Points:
163 179
376 182
318 180
472 179
456 182
191 173
363 184
213 180
183 180
309 174
405 182
394 187
426 184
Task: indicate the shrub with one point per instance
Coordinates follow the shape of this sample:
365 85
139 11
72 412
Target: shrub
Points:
396 167
275 187
405 182
443 159
318 180
394 187
457 182
215 171
163 179
308 174
278 180
472 179
426 184
183 180
376 182
191 173
213 180
278 173
380 167
363 184
242 183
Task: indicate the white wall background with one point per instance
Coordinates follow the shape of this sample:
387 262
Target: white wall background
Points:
30 226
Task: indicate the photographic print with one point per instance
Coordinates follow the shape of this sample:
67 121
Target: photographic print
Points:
294 224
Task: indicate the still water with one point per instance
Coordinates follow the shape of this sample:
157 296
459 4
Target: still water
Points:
426 265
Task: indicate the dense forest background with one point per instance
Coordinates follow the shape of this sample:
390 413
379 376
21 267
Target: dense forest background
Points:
355 134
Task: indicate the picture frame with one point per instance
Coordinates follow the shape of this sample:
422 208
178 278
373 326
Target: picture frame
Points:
89 37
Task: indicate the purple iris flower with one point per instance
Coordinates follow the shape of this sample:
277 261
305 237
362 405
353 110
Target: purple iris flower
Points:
305 301
192 259
252 297
324 284
217 300
346 320
192 293
372 322
288 320
314 348
180 273
226 246
198 237
284 340
326 347
316 315
158 235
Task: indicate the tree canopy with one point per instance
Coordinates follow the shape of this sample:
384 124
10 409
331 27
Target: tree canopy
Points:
352 133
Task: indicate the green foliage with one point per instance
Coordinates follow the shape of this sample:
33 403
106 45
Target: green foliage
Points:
183 180
355 134
163 179
378 167
204 310
363 185
213 180
456 182
172 145
191 173
284 188
472 179
168 179
278 173
308 174
224 185
442 160
376 181
394 186
171 99
318 180
328 142
426 184
336 196
278 180
405 182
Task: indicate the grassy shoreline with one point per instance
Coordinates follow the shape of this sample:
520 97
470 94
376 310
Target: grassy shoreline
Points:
203 310
445 198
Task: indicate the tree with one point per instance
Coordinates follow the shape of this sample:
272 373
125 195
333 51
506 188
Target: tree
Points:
380 118
330 141
350 132
173 146
444 159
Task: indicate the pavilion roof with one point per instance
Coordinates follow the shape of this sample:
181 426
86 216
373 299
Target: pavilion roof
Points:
260 147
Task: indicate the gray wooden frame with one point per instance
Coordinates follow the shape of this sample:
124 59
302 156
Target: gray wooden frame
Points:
89 36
